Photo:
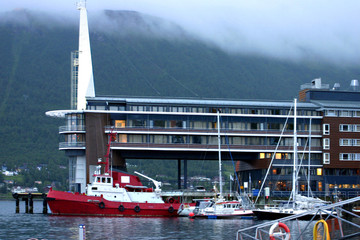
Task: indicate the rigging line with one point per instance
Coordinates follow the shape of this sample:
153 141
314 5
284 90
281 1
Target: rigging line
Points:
232 160
298 170
132 64
166 72
272 159
300 166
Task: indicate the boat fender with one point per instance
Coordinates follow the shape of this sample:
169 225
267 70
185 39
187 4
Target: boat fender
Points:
121 208
137 209
171 209
279 225
102 205
171 200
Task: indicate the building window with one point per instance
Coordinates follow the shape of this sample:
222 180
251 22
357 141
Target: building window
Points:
122 138
119 123
326 143
345 128
330 113
137 123
356 113
345 142
326 129
356 157
356 142
345 113
326 158
345 156
356 128
319 171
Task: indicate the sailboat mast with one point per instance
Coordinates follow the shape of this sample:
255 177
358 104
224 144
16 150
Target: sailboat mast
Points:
294 180
219 150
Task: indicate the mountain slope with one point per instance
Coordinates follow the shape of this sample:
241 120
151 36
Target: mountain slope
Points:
133 55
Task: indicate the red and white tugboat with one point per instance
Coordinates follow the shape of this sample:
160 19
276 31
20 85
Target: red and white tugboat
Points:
114 193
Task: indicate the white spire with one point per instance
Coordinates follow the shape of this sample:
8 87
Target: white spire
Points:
85 72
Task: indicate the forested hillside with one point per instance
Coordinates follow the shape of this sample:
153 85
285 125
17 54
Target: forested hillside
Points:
129 59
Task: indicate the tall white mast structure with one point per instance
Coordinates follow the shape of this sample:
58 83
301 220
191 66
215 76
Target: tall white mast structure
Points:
219 152
294 180
85 83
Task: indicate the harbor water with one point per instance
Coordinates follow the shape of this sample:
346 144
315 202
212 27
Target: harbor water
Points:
39 226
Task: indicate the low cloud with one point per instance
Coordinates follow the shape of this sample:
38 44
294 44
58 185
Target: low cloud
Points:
292 30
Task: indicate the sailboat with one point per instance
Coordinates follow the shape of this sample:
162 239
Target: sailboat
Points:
297 204
219 207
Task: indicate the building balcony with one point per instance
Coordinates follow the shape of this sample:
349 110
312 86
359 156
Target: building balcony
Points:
209 131
72 145
72 129
208 147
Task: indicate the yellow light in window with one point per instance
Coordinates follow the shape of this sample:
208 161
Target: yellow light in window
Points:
262 155
278 156
274 171
319 171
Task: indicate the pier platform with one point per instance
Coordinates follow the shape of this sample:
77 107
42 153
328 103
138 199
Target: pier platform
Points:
28 199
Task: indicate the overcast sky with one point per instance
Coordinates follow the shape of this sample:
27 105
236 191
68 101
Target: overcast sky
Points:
304 29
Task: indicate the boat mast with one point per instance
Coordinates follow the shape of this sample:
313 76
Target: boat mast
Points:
219 150
294 180
309 158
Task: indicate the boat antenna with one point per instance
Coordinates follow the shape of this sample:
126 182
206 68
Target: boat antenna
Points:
219 150
112 137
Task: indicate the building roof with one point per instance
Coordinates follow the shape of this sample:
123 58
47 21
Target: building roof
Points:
200 102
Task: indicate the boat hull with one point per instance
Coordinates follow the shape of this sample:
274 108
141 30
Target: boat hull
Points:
67 203
273 215
235 214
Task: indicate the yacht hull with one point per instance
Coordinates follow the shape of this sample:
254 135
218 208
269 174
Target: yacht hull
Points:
277 214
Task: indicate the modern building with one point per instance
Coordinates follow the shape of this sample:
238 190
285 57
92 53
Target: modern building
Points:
252 133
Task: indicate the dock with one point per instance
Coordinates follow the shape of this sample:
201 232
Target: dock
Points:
28 199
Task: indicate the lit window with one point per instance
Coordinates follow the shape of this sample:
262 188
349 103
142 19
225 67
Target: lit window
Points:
262 155
119 123
278 156
319 171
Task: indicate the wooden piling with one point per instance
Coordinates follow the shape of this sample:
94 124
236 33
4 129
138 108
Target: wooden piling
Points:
17 210
31 204
28 199
26 205
45 210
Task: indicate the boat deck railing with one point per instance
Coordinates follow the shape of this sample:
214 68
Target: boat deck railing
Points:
333 213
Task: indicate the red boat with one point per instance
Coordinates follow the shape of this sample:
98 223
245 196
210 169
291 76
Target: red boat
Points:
123 197
114 193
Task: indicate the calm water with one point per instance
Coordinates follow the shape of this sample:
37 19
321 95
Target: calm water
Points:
39 226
